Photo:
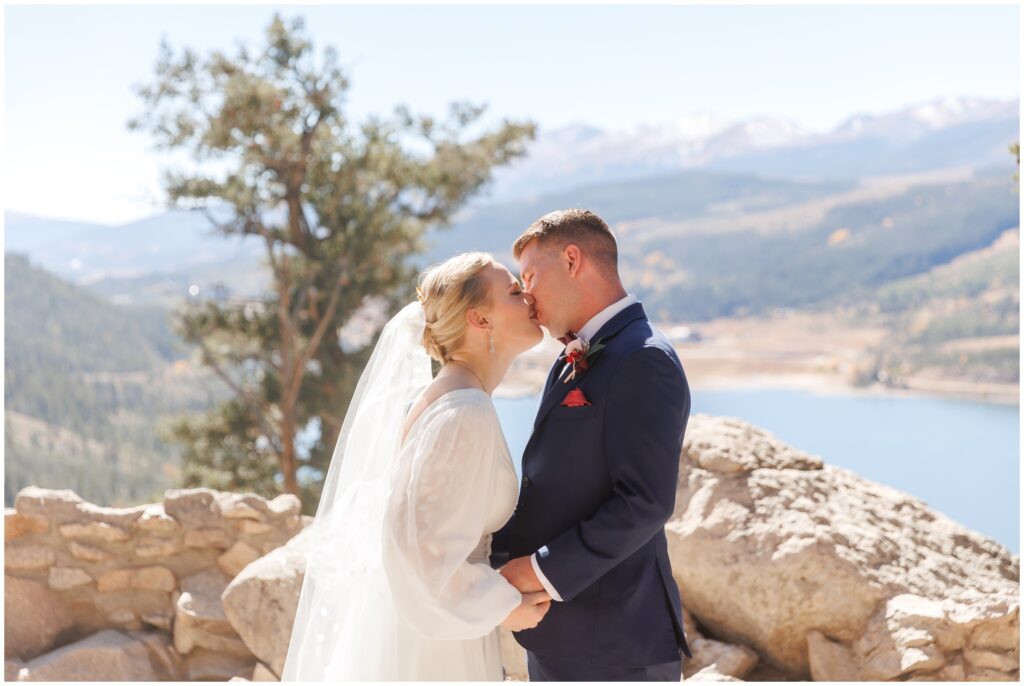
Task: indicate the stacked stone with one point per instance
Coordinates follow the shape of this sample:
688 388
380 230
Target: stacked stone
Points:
132 593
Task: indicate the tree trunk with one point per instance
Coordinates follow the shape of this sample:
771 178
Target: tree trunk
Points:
288 462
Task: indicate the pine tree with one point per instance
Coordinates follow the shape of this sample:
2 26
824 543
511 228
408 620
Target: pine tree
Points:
339 209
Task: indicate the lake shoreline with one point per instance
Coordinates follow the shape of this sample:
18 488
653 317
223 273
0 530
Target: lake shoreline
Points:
822 384
816 352
825 385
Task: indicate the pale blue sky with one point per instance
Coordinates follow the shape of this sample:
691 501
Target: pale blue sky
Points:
68 71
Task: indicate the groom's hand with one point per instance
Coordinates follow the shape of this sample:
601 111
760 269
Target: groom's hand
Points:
519 572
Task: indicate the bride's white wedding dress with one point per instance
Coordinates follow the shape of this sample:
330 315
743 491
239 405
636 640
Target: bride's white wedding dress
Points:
397 583
455 486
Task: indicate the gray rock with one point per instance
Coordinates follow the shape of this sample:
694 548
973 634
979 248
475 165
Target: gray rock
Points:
235 559
155 521
262 600
769 545
208 537
100 531
27 557
11 669
107 655
66 578
17 524
263 673
724 658
116 516
209 665
711 674
200 620
193 507
34 617
89 553
58 506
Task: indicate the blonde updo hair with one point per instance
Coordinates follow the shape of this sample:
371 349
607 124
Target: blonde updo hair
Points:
448 290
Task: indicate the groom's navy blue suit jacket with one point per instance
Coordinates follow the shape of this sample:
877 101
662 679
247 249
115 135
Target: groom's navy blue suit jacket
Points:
598 485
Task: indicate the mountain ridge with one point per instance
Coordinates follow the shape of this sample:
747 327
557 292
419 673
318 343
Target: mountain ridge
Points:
775 146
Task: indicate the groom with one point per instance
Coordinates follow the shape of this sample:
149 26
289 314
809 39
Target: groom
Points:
600 469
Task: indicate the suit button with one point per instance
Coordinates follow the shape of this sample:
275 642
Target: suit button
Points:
526 482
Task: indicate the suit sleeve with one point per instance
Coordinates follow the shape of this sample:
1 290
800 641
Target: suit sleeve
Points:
499 545
644 421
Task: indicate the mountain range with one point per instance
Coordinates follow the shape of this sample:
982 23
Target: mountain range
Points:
701 175
942 133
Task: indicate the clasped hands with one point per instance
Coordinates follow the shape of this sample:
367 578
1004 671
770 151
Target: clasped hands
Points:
536 601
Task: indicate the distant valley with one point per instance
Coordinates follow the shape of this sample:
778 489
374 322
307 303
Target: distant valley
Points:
884 253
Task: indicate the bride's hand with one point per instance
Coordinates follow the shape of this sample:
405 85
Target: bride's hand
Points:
529 613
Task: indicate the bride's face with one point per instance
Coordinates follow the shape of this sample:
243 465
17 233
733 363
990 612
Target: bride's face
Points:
509 312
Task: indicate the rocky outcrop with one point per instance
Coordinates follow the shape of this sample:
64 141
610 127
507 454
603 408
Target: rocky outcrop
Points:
789 568
828 576
135 591
262 600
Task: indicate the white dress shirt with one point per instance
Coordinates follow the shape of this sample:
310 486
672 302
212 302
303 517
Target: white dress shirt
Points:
586 332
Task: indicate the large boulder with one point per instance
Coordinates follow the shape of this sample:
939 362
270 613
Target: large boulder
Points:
262 600
107 655
34 617
825 574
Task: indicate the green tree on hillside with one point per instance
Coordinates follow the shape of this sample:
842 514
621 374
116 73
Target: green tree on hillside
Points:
339 208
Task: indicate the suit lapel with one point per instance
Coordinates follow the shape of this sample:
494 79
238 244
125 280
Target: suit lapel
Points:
553 373
557 390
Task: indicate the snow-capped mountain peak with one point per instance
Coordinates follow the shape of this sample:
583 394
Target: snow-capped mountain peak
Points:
580 154
921 118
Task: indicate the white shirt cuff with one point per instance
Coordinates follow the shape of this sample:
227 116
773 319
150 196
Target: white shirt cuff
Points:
544 580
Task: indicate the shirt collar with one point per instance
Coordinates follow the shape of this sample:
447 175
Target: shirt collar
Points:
588 330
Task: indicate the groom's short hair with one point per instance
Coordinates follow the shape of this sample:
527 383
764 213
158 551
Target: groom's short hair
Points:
577 226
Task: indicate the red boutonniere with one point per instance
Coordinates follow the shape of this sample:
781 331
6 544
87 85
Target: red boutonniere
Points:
578 353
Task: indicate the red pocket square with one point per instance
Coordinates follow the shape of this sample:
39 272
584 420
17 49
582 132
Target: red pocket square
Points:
575 398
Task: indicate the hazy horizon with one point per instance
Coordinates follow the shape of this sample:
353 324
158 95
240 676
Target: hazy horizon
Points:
68 85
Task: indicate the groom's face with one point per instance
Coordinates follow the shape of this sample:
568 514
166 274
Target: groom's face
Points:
546 280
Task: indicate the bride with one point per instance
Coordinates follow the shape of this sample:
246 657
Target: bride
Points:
398 585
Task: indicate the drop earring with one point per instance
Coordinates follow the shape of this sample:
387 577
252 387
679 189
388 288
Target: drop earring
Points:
492 340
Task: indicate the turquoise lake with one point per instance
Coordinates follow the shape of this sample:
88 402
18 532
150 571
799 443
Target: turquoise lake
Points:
962 458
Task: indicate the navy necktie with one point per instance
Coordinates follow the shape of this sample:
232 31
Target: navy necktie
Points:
565 340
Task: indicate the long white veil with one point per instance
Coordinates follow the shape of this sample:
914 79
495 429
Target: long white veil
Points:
345 616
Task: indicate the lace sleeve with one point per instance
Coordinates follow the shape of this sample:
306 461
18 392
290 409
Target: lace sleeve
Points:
435 518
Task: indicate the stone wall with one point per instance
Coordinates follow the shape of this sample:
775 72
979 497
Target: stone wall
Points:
132 593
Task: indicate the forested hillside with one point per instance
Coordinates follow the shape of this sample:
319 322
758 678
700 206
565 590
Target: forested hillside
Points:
87 384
